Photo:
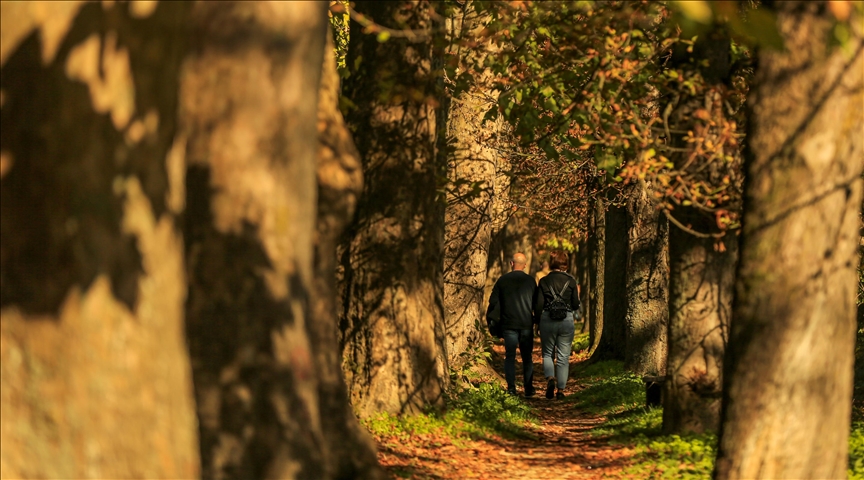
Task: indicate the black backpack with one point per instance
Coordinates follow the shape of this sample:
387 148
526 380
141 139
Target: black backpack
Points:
558 308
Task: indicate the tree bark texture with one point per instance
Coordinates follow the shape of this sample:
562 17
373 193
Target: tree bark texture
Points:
512 238
472 166
393 315
349 449
597 264
95 379
787 401
701 281
647 285
249 99
583 274
701 265
612 340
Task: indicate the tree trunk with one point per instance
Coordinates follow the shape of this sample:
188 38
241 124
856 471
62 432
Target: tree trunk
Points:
647 285
597 245
583 274
393 330
611 342
471 171
248 106
512 238
787 401
700 300
349 450
94 373
701 266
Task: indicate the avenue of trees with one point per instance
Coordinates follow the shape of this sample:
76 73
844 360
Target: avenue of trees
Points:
228 230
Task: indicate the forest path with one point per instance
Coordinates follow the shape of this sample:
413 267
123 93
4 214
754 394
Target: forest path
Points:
561 447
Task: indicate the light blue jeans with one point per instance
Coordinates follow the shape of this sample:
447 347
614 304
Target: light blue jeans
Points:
557 335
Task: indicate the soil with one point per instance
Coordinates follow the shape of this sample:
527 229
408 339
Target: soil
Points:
561 447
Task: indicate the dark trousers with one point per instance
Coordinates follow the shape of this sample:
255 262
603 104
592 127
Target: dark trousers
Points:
524 339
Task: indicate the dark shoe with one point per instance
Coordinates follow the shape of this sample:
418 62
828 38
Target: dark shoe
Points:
511 391
550 387
530 392
560 395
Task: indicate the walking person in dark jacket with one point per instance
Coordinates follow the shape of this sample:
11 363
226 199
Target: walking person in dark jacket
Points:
511 301
556 334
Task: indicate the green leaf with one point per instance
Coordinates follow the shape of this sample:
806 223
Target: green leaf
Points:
384 36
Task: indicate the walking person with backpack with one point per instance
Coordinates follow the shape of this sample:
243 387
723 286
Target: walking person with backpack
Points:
556 300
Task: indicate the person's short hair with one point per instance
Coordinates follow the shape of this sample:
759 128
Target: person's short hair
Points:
559 260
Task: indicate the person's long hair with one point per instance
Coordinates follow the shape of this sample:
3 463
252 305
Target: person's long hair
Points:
559 260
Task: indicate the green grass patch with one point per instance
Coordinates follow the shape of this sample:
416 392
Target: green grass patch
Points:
580 341
856 451
619 396
473 412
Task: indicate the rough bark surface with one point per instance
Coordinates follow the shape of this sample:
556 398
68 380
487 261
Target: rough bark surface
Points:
788 393
471 170
701 267
583 274
510 239
612 338
597 264
349 450
248 107
647 285
701 282
94 375
393 315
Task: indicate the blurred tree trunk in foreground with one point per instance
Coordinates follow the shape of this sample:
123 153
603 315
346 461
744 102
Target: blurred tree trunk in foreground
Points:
471 170
249 100
647 284
787 401
350 450
701 266
393 315
94 372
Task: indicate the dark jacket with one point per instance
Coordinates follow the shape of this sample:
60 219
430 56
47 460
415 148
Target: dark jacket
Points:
511 300
555 280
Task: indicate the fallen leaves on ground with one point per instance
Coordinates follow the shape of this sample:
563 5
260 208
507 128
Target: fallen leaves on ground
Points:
561 447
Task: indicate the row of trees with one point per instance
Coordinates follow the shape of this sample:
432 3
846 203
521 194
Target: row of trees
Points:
192 234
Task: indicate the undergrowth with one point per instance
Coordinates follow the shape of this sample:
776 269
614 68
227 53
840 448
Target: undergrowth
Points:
474 410
580 340
856 436
619 396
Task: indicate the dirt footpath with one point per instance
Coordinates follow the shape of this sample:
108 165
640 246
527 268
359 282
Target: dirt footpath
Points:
561 448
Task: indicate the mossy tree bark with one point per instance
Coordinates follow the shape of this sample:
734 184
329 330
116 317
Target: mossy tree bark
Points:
249 100
393 316
647 284
95 379
788 390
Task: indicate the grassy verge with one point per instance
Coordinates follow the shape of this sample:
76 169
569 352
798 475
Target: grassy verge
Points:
856 436
473 411
620 397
